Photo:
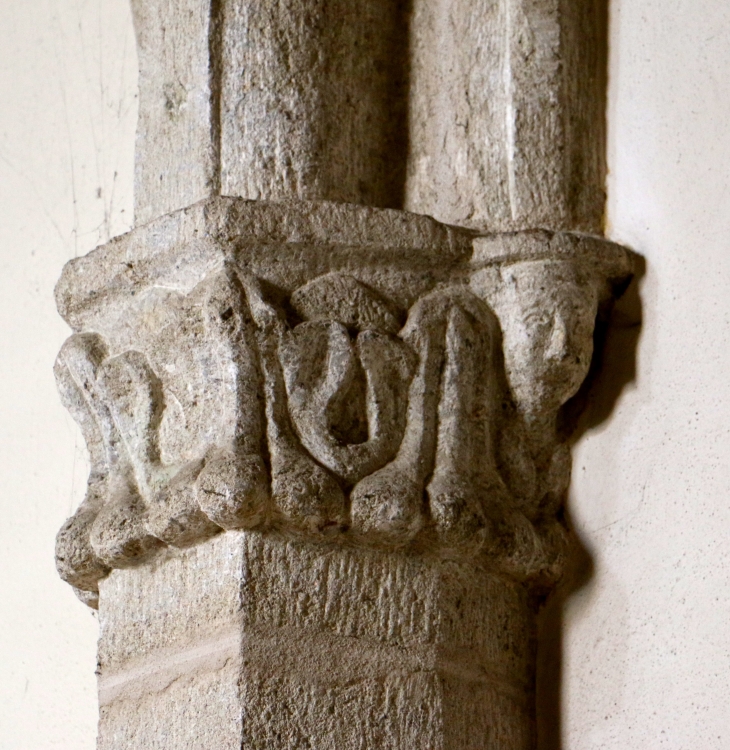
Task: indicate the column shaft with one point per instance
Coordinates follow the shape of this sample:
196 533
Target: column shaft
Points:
507 113
326 467
270 101
260 642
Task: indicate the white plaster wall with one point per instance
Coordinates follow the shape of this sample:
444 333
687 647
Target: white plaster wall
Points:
67 120
647 650
647 659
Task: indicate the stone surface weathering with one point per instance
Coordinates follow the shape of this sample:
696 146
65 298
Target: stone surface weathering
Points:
397 385
327 459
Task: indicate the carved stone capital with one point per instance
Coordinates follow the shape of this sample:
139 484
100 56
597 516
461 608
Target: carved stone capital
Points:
326 470
344 375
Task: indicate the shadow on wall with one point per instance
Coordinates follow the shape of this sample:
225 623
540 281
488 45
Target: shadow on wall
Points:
612 369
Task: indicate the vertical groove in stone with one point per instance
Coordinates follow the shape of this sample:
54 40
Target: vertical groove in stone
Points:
533 46
458 168
509 112
584 44
215 67
296 99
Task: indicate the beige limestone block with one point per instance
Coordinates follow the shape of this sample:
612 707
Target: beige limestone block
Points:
270 101
256 641
312 101
322 500
506 113
327 369
176 158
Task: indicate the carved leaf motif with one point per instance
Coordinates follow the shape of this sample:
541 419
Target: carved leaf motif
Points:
408 421
109 527
448 436
133 395
465 481
321 366
76 370
304 493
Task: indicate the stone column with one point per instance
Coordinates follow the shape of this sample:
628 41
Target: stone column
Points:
508 119
269 101
326 475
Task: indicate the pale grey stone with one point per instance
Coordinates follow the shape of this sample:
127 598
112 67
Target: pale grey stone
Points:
229 384
312 100
507 118
270 101
341 297
326 475
325 372
176 154
253 640
501 128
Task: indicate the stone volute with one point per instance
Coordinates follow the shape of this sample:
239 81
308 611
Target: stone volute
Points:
326 474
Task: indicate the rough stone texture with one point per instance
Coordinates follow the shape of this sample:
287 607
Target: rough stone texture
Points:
327 472
256 641
507 119
374 397
327 370
177 159
501 129
270 101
